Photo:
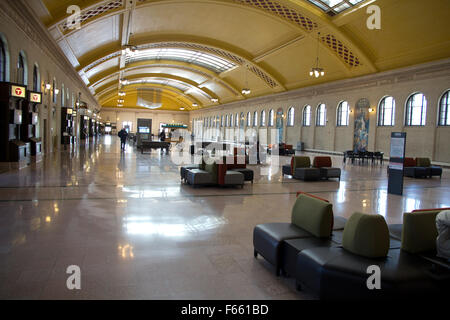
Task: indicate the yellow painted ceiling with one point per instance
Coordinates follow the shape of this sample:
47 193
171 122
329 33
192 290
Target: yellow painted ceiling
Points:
270 44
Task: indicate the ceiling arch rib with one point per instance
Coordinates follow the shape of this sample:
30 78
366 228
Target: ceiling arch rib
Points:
210 76
110 93
198 48
180 84
305 16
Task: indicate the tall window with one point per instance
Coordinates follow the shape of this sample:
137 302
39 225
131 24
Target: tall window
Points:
263 118
21 69
271 121
231 120
249 119
343 112
2 61
36 79
54 91
291 117
255 119
226 121
63 95
321 117
386 111
416 110
444 114
236 121
307 116
221 122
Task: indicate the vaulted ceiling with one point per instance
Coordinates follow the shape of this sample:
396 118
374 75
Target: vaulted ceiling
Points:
200 53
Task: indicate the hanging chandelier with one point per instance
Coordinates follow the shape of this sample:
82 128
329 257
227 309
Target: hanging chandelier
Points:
246 91
317 71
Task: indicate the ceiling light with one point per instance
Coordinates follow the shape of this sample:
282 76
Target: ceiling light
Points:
181 108
195 104
317 71
246 91
123 81
120 105
122 94
120 101
215 100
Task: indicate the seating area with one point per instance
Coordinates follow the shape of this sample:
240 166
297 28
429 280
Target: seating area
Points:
421 168
322 168
335 261
363 156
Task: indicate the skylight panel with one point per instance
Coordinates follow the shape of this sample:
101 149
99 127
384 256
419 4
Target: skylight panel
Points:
209 61
333 7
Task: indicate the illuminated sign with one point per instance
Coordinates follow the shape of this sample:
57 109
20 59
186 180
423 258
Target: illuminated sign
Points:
35 97
69 111
18 92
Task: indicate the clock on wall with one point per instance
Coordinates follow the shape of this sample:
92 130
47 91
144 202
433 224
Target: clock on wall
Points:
363 103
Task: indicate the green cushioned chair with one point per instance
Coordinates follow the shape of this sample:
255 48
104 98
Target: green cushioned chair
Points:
310 218
313 215
423 162
366 235
419 231
301 162
213 170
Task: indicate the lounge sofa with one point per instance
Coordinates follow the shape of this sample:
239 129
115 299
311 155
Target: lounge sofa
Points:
311 218
325 165
337 273
300 168
214 174
420 168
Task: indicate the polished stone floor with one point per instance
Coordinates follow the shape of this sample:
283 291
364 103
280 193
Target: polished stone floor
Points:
136 232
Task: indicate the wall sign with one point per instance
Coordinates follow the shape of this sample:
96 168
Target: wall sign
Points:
35 97
18 92
396 161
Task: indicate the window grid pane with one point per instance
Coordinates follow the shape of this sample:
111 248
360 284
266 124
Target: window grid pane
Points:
321 115
444 119
255 119
263 118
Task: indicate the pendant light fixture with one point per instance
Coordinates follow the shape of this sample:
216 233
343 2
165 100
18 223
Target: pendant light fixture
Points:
246 91
317 71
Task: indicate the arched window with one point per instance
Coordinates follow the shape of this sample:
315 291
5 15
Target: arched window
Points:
221 122
249 119
307 116
54 91
271 120
217 122
386 111
255 119
21 69
263 118
2 61
36 79
444 114
291 117
321 115
63 95
343 112
236 121
231 121
226 121
416 110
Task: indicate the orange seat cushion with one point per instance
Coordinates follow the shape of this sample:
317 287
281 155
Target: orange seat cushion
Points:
322 162
409 162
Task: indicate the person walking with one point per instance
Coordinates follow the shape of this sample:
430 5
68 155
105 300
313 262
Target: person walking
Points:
123 134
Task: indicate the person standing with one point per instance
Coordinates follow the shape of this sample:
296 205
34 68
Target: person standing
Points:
162 136
123 134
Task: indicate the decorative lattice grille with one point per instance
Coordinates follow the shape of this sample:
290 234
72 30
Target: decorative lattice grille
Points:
282 11
94 12
341 50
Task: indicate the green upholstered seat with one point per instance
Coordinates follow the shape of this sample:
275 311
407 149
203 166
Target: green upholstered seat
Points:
301 162
419 231
366 235
213 169
313 215
423 162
